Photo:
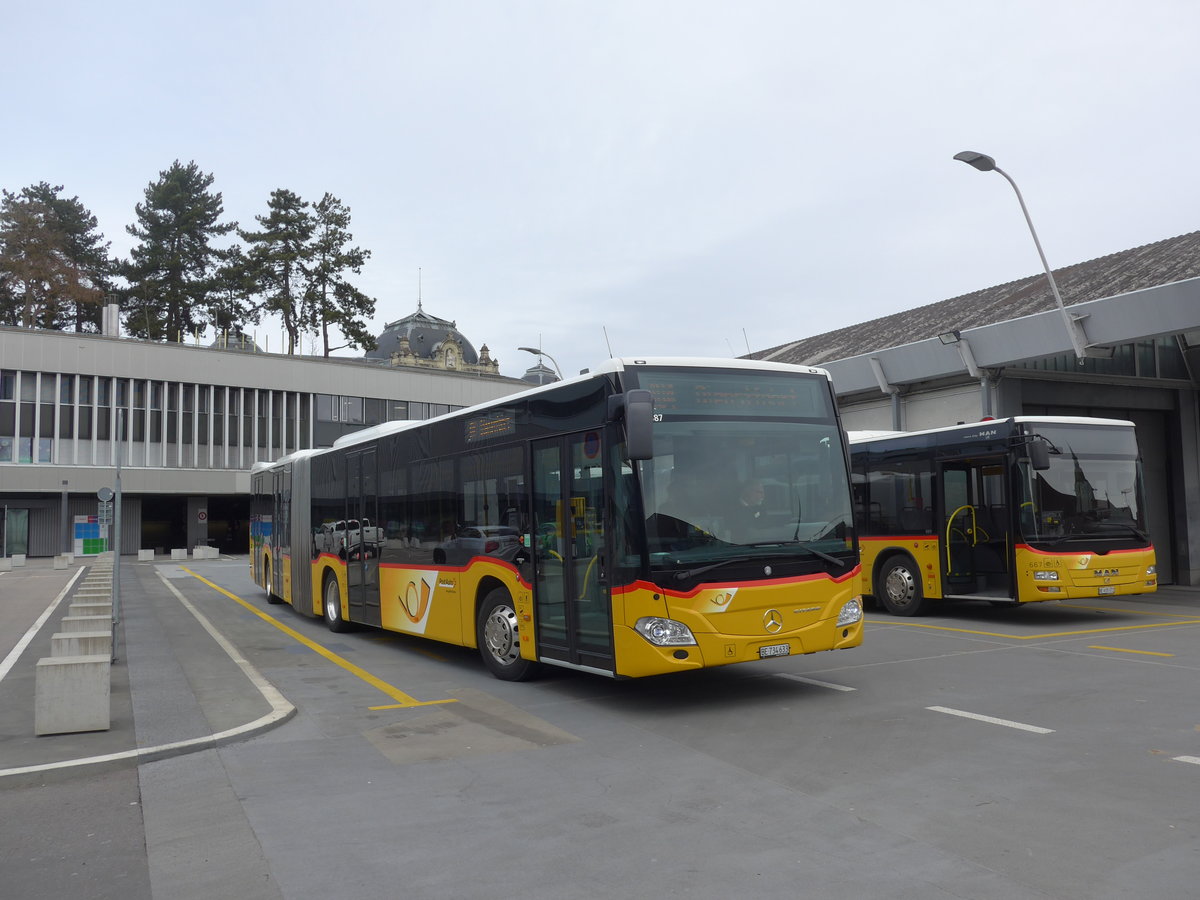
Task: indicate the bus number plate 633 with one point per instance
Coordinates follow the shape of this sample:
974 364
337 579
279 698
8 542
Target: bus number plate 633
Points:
774 650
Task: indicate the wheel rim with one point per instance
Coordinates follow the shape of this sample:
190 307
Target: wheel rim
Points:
900 586
501 635
333 601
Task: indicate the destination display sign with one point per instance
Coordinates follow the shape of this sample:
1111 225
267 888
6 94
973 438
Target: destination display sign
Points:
493 424
737 394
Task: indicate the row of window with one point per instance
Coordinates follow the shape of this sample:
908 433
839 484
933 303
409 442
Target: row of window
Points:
81 420
1155 358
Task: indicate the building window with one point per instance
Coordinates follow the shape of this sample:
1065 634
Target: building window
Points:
352 410
327 410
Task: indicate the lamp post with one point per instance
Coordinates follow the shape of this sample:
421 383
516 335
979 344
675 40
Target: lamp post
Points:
540 353
985 163
66 524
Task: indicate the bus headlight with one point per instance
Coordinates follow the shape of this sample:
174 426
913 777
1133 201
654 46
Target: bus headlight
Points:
851 612
664 632
1045 576
1151 570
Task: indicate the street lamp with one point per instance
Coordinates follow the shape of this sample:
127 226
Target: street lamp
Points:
540 353
66 524
985 163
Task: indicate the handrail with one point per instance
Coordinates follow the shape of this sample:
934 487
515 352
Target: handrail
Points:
949 527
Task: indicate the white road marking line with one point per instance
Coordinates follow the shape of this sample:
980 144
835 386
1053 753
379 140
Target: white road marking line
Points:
15 653
824 684
1194 760
990 719
281 708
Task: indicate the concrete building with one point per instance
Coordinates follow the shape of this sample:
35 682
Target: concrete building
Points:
1007 350
188 423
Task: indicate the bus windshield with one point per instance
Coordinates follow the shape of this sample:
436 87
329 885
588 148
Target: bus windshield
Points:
746 469
1092 489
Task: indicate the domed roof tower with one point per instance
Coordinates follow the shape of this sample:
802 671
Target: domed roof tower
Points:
425 341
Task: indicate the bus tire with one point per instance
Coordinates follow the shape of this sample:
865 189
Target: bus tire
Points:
898 587
498 633
271 598
331 604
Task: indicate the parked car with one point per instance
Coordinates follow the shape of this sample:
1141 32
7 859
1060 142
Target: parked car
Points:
477 540
335 537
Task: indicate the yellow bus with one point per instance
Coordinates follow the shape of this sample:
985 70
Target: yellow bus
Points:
1004 510
594 523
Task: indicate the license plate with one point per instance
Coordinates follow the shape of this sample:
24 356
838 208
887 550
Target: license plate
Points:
774 650
1108 589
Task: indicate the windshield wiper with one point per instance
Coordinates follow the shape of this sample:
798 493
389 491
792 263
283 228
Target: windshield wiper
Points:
700 570
1091 535
691 573
803 546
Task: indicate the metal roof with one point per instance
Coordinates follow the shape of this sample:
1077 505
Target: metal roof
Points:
1145 292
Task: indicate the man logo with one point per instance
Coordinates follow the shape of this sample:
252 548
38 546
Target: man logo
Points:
1104 573
773 621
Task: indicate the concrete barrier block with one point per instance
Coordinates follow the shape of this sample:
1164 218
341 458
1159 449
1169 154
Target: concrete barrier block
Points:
81 643
72 694
5 564
18 560
90 609
86 623
179 553
145 556
62 561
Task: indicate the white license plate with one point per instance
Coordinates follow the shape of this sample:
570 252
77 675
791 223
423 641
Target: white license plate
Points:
1107 589
774 650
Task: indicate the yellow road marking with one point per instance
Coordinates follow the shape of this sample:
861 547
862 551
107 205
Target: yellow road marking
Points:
1127 612
1033 637
1123 650
404 700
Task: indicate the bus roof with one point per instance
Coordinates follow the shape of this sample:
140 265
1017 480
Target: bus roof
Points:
862 437
613 365
609 366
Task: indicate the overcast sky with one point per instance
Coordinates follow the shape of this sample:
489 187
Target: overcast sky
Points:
694 177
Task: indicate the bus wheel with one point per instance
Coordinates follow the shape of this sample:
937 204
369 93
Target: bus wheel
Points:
271 598
331 597
899 587
497 631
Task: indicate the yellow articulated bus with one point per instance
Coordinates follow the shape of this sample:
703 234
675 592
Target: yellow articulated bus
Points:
1004 510
596 523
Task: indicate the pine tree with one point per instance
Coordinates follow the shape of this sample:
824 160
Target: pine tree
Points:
87 251
233 307
277 259
171 273
54 265
332 299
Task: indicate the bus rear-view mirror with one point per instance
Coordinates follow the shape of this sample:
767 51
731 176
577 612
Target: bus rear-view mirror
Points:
1039 455
639 424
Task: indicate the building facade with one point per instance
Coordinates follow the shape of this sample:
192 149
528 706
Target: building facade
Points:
1008 350
185 424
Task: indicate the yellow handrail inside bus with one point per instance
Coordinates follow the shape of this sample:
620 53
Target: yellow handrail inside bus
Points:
950 526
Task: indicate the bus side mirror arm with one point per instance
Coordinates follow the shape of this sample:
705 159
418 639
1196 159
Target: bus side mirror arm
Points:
637 408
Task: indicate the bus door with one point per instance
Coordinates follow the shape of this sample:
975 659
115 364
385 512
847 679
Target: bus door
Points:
279 529
571 592
363 538
975 538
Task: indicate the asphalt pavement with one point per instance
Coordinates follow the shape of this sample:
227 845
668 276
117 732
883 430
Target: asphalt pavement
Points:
144 809
89 814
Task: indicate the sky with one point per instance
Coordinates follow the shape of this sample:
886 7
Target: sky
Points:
632 177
